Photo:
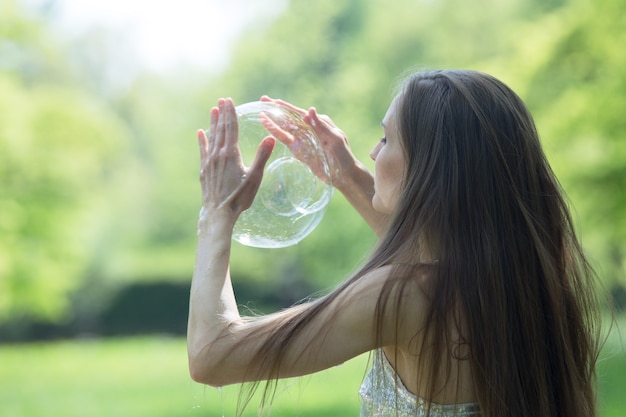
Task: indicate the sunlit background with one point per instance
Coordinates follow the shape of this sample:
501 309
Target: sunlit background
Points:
99 104
163 36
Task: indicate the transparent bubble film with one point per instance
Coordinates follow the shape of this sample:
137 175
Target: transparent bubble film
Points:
291 200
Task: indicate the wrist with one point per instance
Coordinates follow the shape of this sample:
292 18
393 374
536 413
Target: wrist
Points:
215 222
354 179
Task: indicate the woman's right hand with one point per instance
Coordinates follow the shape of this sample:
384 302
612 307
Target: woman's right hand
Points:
228 187
341 160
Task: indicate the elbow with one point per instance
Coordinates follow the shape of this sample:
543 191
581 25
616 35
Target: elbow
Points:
205 370
201 377
198 372
202 372
211 361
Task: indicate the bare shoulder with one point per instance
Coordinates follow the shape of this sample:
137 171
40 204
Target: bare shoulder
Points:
397 305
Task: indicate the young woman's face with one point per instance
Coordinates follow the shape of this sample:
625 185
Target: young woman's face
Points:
388 163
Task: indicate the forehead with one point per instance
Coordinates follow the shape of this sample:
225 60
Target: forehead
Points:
390 119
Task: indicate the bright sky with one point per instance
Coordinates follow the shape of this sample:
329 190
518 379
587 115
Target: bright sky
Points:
166 34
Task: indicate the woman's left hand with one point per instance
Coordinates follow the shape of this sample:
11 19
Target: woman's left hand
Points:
228 187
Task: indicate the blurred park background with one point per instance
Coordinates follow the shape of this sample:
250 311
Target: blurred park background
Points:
99 163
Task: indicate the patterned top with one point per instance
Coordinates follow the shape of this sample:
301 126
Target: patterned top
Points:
384 395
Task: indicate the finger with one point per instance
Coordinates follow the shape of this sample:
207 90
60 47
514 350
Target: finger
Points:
291 106
275 130
264 151
311 117
220 131
322 118
212 129
319 126
203 143
284 104
231 128
319 119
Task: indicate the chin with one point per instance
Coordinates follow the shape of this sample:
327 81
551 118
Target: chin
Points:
376 204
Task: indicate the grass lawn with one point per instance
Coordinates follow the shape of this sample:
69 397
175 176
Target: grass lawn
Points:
147 377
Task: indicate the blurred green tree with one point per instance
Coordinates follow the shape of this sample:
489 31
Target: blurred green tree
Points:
578 91
62 160
344 57
99 184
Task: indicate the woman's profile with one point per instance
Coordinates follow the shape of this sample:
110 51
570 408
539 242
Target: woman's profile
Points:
478 298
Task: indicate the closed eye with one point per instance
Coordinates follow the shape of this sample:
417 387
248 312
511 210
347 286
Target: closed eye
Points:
383 139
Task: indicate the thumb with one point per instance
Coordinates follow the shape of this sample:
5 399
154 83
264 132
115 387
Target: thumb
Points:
320 127
254 174
263 153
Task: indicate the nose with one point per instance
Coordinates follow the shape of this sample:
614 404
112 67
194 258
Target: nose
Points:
374 152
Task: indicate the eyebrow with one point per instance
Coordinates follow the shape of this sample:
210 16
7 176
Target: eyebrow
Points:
382 124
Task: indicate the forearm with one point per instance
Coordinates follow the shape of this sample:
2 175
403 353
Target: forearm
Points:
358 188
228 188
212 305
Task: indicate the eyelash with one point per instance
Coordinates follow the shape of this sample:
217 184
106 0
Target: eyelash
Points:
383 139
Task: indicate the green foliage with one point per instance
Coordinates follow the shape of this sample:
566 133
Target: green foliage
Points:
577 94
566 59
60 151
62 154
99 184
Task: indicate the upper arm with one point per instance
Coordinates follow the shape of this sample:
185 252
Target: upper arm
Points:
341 330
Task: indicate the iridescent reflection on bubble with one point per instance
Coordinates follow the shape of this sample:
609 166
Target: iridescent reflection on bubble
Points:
291 200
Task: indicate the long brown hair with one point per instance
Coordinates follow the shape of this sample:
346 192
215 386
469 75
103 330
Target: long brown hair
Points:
507 271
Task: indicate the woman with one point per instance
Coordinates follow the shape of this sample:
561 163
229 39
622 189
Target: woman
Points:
478 298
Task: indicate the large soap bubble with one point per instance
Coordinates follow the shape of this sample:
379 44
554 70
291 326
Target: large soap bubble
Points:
291 200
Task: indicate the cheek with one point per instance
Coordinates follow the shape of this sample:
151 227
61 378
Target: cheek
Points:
391 172
393 181
388 176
